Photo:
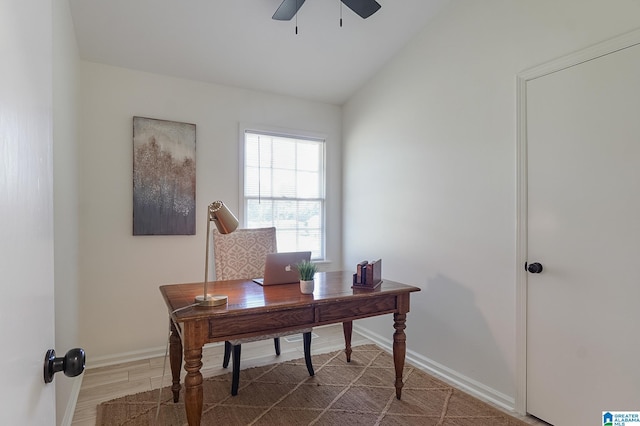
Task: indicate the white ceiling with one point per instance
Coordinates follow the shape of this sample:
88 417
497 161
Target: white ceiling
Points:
236 43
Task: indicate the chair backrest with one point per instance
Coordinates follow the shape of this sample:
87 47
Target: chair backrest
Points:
242 253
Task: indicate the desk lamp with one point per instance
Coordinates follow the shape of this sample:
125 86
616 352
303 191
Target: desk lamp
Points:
226 223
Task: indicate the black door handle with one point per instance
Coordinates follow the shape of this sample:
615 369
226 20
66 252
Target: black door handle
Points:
534 268
72 363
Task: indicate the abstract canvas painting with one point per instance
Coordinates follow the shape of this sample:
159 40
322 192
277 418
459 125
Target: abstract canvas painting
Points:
164 177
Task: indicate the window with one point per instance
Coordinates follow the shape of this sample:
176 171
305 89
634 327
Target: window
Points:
283 186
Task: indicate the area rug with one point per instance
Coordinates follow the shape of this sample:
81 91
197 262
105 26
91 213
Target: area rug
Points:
361 392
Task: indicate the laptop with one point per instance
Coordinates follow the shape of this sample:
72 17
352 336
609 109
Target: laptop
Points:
279 268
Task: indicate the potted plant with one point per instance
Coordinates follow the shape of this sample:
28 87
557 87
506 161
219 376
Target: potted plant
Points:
306 270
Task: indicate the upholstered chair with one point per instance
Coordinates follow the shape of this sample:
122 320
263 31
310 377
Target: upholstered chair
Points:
241 255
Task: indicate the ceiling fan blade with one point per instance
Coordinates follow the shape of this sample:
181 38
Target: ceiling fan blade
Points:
364 8
287 9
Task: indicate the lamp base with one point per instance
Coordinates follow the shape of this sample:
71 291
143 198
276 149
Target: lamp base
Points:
211 300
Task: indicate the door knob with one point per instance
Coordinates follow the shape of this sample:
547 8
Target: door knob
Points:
72 363
534 268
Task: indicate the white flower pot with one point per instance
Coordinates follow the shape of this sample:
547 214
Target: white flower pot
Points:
306 287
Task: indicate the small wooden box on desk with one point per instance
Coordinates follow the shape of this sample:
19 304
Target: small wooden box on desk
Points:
368 275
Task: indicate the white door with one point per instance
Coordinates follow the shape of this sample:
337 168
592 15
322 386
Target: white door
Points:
583 309
26 212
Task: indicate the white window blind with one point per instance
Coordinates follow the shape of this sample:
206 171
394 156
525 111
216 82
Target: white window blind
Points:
284 187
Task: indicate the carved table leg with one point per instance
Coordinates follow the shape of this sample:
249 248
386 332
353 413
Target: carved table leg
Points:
347 328
193 385
399 349
175 360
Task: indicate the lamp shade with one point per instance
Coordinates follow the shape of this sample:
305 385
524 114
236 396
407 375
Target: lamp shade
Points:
225 221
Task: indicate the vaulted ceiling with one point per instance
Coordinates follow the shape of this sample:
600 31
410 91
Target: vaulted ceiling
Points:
236 43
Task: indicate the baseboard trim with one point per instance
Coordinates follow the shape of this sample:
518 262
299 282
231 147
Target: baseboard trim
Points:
73 400
294 338
114 359
108 360
454 378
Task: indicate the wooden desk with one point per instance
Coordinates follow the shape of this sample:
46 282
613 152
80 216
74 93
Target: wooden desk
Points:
254 310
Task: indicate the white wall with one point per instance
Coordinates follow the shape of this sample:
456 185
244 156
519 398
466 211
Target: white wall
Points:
432 138
121 309
65 199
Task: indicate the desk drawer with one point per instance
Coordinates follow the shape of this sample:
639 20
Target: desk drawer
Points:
260 322
356 308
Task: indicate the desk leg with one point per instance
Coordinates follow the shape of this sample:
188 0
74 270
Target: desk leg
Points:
175 360
347 328
399 349
193 385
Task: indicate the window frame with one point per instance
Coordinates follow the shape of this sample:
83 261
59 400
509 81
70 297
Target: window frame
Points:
293 134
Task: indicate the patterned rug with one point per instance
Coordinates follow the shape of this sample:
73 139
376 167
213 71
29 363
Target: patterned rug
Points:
357 393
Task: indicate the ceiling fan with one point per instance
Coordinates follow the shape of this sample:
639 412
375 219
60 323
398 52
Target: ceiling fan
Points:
288 8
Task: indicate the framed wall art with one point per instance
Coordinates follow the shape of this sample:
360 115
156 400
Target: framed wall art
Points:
164 177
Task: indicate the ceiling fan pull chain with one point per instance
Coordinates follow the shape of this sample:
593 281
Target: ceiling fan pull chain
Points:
340 1
297 7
